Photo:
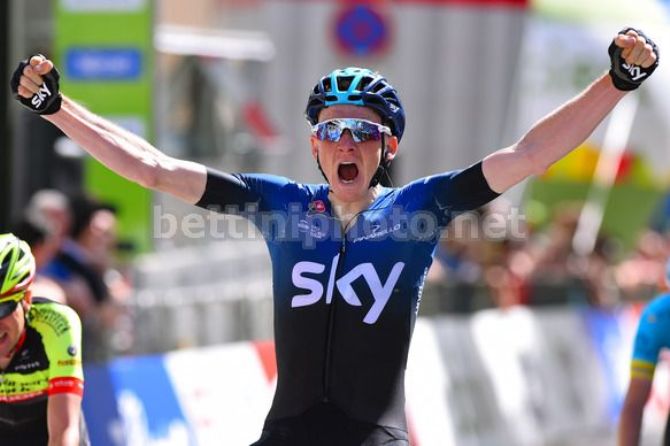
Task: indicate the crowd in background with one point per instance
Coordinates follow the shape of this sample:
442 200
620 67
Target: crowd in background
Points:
540 266
75 243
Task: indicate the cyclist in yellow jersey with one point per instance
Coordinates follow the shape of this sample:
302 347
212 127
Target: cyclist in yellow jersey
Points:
41 377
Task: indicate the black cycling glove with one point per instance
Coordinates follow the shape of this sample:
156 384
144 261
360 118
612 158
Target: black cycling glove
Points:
628 77
47 100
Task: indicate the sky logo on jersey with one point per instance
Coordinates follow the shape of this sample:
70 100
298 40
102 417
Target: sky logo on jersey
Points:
381 292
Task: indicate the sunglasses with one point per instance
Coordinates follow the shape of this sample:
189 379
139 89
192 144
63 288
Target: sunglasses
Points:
13 300
9 297
361 130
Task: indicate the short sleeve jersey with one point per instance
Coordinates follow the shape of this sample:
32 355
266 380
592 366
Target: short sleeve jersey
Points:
47 361
653 334
346 299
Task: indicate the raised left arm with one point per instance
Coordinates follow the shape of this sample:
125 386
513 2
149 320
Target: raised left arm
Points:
634 57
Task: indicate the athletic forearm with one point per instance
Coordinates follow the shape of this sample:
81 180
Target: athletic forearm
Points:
117 149
553 137
111 127
567 127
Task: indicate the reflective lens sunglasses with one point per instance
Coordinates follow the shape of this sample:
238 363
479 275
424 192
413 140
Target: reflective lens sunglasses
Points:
361 130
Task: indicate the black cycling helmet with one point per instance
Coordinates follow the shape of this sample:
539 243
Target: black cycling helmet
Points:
358 86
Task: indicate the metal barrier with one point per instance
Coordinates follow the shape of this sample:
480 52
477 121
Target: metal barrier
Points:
222 292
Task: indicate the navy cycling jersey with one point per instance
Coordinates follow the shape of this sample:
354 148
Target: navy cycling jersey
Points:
346 299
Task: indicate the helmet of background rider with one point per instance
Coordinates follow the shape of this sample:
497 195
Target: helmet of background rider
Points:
17 270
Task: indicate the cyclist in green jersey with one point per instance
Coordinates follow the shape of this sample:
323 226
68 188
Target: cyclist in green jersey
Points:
41 376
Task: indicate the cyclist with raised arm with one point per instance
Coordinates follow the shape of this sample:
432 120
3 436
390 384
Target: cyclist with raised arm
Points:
41 377
350 256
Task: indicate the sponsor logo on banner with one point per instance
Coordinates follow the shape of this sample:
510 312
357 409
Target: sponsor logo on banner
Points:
109 64
224 392
146 418
103 5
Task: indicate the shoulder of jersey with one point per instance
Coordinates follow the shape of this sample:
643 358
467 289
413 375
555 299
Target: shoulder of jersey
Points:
44 308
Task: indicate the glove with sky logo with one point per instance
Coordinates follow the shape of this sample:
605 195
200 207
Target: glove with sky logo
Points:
633 56
46 98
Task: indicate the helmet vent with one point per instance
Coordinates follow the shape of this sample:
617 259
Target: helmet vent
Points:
331 98
355 97
364 83
327 85
379 86
343 83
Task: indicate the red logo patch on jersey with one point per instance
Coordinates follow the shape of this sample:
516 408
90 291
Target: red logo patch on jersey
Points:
317 206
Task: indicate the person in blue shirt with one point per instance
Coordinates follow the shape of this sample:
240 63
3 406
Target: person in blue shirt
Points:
349 257
653 335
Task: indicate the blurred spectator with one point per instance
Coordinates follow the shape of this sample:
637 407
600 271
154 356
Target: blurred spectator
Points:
84 268
507 277
44 243
593 275
643 273
52 206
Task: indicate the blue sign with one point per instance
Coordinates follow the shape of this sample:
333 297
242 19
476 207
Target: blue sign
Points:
606 336
115 64
361 30
133 401
99 406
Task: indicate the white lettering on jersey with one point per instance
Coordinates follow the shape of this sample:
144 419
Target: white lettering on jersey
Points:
381 292
313 285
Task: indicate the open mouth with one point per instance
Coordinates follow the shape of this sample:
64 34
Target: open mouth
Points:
347 172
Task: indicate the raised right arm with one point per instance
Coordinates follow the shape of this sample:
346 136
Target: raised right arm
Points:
129 155
118 149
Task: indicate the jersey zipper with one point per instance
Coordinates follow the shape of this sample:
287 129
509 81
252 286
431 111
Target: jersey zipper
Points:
327 363
331 322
